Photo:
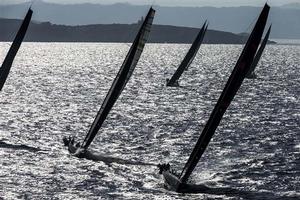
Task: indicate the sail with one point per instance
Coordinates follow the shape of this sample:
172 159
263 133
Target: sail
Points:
122 77
7 63
188 59
233 84
187 67
259 53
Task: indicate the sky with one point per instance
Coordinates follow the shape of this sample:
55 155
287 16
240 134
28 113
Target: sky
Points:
199 3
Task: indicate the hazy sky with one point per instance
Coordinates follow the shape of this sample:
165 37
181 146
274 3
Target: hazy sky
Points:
175 2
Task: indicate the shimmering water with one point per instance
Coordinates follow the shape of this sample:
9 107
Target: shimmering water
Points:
55 90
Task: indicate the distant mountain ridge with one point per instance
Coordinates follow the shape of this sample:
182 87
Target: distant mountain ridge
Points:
47 32
285 20
292 6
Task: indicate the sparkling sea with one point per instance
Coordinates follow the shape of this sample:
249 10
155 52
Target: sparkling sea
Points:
55 90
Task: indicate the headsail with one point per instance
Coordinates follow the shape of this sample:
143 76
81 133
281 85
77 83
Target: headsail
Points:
7 63
258 55
233 84
122 77
188 59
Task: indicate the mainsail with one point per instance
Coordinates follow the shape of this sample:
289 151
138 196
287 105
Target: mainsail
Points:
188 59
7 63
122 77
233 84
258 55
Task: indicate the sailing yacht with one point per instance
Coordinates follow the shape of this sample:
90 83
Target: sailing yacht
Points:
119 83
179 183
188 59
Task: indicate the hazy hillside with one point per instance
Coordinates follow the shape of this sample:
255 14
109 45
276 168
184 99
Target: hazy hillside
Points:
285 20
292 6
46 32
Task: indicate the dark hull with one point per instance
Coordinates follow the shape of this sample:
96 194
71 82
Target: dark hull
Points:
175 84
87 154
173 183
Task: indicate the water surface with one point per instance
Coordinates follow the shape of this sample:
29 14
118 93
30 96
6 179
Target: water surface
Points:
55 90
